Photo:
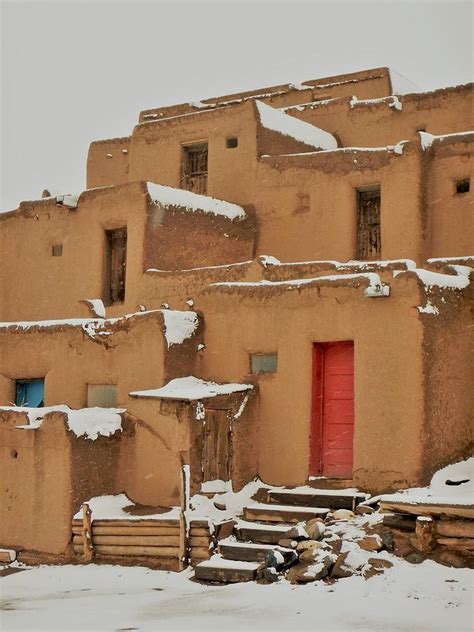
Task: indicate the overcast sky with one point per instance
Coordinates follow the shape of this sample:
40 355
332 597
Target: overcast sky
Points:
75 71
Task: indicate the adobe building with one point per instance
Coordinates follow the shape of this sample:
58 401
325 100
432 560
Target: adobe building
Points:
271 284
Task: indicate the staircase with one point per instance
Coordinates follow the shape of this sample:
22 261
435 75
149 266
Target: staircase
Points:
263 524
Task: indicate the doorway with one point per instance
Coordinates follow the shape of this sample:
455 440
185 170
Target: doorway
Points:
216 445
332 425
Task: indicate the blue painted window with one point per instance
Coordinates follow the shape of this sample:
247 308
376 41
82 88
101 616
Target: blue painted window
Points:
30 393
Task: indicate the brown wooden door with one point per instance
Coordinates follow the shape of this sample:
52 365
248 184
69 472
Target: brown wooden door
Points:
369 244
216 447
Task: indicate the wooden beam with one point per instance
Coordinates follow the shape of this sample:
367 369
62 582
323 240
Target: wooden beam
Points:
466 544
425 534
87 543
142 551
139 530
131 523
133 540
425 509
455 528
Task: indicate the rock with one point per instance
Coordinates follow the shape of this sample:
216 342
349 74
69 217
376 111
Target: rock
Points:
402 546
387 540
448 558
415 558
310 544
335 545
339 571
370 543
379 562
270 574
274 559
219 505
298 532
288 543
364 509
304 573
315 528
343 514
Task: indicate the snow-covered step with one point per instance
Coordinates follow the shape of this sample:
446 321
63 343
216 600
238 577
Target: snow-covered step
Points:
248 551
261 533
282 513
219 569
307 497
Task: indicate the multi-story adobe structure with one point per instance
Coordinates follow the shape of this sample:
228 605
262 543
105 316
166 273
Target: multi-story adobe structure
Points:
272 283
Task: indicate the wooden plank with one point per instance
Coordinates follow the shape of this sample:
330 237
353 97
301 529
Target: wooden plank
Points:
425 534
199 541
140 531
424 509
87 543
261 536
143 551
130 523
455 528
245 553
405 522
197 551
132 540
458 543
282 515
224 575
198 532
333 501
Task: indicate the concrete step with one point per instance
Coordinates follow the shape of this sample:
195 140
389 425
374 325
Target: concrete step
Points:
225 571
306 497
282 513
260 533
249 551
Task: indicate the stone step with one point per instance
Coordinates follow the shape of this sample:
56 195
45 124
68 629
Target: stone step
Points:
282 513
321 482
248 551
260 533
344 499
225 571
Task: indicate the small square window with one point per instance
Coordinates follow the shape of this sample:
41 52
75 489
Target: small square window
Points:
57 250
29 393
232 142
263 363
463 186
101 395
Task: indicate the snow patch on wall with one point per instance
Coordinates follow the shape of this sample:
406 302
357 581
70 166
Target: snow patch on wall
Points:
169 196
179 326
287 125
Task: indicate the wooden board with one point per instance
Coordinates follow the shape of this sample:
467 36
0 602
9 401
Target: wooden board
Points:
405 522
129 523
199 533
333 501
244 553
458 543
289 515
200 541
224 575
140 531
455 528
422 509
261 536
144 551
132 540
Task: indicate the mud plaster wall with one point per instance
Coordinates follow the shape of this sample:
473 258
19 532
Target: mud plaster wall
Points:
35 285
133 357
156 151
273 143
376 124
449 215
108 162
178 239
308 210
448 362
388 374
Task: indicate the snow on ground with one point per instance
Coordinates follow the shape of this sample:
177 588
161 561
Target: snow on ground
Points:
93 598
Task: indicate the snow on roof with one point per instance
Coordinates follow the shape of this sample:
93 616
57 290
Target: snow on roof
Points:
84 422
287 125
269 260
169 196
192 389
178 325
452 485
392 149
430 279
112 507
427 139
467 259
393 101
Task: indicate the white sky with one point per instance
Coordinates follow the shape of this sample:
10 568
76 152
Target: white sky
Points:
72 72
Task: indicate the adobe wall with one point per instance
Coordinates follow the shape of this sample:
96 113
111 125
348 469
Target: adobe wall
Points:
156 151
387 334
306 205
376 124
108 162
449 217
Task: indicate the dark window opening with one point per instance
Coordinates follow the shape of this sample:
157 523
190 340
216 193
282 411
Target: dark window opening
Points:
463 186
263 363
57 250
115 265
194 168
369 246
232 142
29 393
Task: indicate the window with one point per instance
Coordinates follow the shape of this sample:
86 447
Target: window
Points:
232 142
194 168
101 395
463 186
115 265
263 363
57 250
368 224
29 393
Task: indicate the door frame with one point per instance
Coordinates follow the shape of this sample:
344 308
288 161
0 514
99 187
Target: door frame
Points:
317 402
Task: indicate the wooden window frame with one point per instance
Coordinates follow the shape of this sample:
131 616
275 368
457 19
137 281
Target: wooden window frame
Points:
195 167
363 253
115 295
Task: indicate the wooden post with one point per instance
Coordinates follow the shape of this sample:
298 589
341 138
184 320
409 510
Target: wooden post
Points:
88 546
183 520
425 532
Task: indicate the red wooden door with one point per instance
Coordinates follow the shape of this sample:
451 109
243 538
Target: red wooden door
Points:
332 431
